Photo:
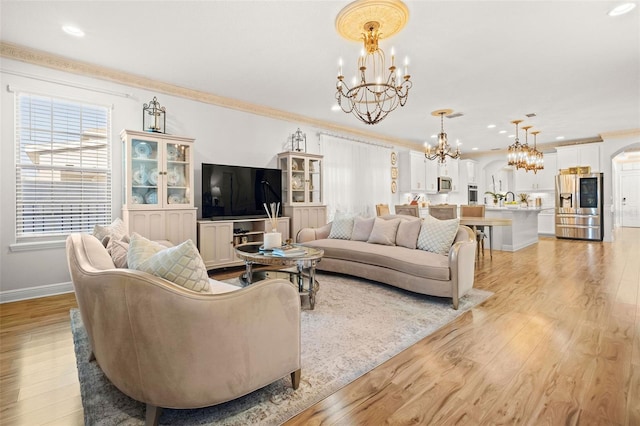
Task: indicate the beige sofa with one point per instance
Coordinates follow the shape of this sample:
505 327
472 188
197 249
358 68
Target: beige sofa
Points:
415 270
168 346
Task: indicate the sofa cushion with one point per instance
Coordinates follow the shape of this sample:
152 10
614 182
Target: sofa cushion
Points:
384 231
362 227
418 263
141 249
181 265
117 229
341 227
119 252
408 231
437 235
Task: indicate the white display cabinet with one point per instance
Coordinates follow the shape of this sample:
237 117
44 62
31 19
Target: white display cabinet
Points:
301 178
158 185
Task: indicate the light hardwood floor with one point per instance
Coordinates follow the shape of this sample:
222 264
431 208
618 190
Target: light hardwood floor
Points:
558 343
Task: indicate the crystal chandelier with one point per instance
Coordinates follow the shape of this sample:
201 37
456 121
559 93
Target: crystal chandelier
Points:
377 90
536 159
443 150
518 154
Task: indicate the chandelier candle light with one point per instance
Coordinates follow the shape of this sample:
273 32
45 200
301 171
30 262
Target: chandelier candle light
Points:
443 150
373 94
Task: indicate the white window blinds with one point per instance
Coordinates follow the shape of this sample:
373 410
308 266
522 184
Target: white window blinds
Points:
63 166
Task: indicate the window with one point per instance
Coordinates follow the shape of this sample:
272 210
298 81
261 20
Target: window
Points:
63 167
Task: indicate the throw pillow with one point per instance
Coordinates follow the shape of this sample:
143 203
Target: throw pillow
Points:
384 231
437 235
141 249
117 229
341 227
181 265
362 228
408 231
119 252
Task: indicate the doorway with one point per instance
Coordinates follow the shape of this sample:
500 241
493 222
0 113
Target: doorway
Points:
626 166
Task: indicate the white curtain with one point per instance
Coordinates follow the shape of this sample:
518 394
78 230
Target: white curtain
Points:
357 176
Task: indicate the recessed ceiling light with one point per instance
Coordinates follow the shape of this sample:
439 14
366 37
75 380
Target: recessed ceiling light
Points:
502 132
336 108
434 136
622 9
74 31
559 137
491 126
475 148
512 136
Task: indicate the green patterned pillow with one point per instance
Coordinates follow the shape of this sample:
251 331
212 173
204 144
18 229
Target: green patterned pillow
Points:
181 265
437 235
341 227
141 249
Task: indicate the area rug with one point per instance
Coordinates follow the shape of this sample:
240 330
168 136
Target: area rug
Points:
356 325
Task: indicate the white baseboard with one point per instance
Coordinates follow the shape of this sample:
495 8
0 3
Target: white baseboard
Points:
35 292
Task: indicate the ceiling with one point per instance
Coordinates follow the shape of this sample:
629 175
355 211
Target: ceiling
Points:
569 63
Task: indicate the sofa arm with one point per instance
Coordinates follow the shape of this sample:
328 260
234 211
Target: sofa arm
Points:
310 234
462 257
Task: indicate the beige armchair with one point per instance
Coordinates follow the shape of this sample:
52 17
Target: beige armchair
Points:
168 346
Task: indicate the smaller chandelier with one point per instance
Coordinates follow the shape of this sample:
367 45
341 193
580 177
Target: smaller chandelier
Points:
374 92
518 154
536 159
443 150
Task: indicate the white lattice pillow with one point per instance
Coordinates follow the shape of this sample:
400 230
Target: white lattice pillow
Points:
437 235
341 227
141 249
181 265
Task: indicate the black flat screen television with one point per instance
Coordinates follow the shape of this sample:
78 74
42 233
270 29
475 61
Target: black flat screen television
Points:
238 191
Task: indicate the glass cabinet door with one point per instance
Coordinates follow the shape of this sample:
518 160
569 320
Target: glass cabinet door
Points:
177 173
145 175
314 194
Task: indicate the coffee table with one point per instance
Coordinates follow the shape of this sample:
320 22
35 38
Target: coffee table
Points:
305 267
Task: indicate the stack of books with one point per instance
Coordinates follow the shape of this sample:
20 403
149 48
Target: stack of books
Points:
289 251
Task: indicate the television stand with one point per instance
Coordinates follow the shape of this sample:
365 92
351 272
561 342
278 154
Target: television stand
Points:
217 238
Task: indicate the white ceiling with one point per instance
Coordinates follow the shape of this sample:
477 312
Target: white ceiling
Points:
568 62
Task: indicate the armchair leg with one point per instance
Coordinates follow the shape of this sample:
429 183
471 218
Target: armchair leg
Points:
295 379
153 415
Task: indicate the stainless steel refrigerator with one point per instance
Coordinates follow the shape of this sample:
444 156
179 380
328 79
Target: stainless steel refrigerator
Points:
579 207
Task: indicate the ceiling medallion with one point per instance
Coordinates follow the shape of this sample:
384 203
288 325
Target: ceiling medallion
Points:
372 96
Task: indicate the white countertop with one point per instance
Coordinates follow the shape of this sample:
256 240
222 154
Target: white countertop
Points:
516 208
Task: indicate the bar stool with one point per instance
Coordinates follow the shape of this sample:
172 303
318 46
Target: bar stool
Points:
475 211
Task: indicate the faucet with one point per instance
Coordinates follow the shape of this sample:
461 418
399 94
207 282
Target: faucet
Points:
506 196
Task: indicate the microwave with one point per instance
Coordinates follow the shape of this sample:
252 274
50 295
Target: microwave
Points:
444 184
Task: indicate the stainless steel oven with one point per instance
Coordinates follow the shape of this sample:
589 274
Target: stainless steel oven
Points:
472 195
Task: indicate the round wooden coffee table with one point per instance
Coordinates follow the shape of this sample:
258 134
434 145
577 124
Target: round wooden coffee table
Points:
305 267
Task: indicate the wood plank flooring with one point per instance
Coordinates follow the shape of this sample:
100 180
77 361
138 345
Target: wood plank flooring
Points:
558 343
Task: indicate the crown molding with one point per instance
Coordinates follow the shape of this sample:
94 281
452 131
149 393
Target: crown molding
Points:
630 133
60 63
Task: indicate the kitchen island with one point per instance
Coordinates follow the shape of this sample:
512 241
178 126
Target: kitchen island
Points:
522 232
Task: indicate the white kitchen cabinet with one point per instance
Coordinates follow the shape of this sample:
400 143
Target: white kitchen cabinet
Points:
158 186
417 174
543 180
217 238
578 156
467 172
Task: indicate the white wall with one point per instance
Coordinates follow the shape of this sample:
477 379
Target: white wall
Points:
222 136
